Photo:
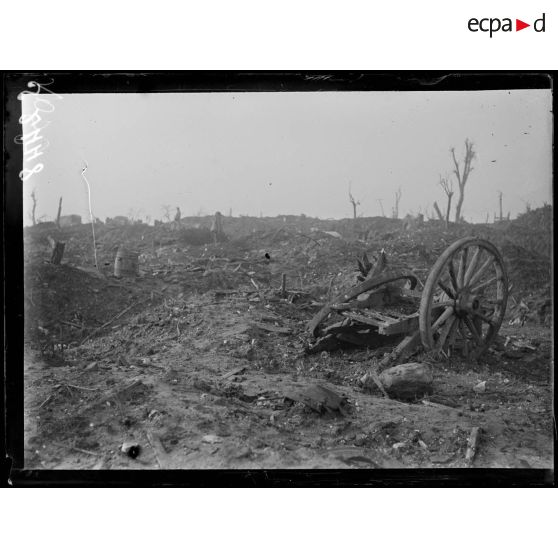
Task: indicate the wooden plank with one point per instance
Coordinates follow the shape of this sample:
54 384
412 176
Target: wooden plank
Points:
158 449
405 348
363 287
273 329
370 320
472 445
374 300
408 324
233 372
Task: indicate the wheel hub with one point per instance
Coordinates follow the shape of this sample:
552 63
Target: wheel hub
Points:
466 303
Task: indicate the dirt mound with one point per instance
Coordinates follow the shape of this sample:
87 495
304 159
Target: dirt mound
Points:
63 304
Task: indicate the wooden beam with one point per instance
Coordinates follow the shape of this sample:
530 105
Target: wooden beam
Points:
404 325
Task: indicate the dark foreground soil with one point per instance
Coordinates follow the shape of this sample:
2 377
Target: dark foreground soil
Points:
198 358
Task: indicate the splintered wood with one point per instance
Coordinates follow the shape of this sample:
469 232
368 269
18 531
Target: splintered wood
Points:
472 445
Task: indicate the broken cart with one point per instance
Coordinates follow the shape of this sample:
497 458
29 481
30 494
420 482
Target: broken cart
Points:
459 309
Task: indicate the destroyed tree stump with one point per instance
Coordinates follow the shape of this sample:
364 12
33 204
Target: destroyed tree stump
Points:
217 231
57 250
407 381
283 285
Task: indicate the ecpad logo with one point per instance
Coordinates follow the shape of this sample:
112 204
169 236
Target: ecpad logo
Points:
494 24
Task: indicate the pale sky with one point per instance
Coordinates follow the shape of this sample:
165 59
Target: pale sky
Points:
290 153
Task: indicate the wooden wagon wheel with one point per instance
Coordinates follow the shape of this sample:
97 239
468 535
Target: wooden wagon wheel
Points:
464 299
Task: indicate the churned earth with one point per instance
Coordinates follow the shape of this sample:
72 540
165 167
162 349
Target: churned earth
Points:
199 361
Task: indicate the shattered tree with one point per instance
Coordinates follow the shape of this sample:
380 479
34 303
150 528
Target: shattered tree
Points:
462 174
447 187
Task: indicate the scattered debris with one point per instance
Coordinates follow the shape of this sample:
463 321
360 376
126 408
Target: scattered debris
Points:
212 439
131 449
234 372
273 329
430 403
354 456
320 399
153 414
472 445
158 449
210 338
75 448
480 387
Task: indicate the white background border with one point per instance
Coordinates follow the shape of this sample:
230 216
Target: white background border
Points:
272 35
275 36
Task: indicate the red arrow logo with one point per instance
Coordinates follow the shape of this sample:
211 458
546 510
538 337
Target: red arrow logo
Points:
519 25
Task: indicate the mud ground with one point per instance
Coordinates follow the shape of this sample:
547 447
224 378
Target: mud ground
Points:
196 360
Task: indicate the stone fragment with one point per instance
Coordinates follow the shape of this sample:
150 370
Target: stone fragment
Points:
407 381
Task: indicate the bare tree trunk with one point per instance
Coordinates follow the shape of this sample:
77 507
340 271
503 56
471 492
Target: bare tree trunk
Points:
382 207
448 209
217 228
438 212
462 176
500 196
59 213
354 203
395 213
459 205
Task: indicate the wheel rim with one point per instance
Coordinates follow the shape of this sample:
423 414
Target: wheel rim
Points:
464 299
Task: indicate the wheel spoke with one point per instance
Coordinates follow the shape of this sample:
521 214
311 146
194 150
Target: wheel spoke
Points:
446 289
482 286
462 265
473 329
453 332
465 339
445 330
472 265
481 270
445 315
452 275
